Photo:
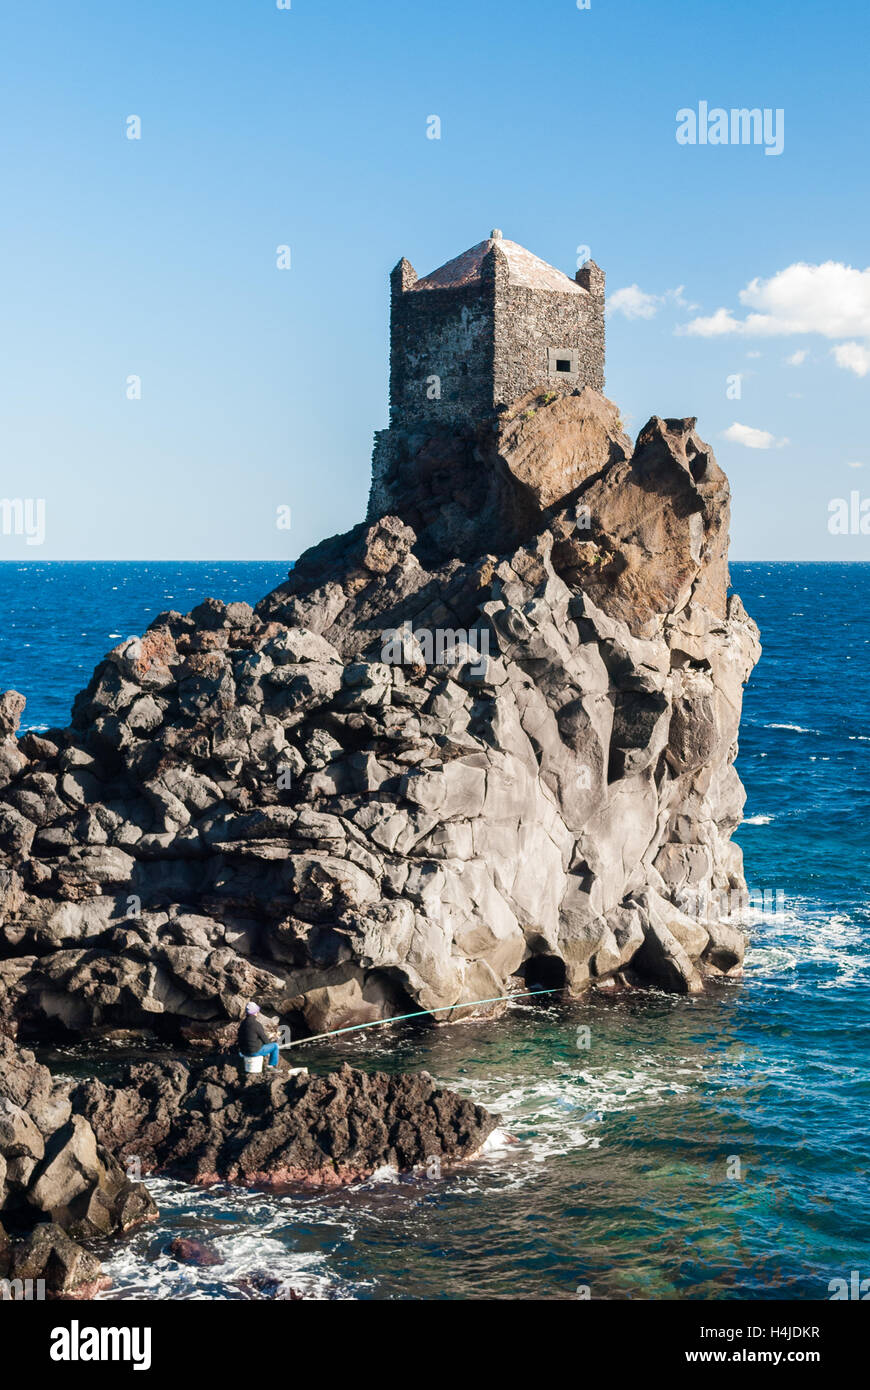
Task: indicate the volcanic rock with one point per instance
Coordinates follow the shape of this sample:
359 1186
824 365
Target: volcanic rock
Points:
48 1254
213 1124
484 739
57 1184
193 1252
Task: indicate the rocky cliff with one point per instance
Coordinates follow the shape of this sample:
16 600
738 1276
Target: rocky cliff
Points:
487 737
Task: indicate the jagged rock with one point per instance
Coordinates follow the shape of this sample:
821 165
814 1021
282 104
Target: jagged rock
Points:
16 834
49 1254
725 947
54 1168
553 444
485 735
193 1252
386 545
21 1144
214 1124
665 961
11 709
659 522
81 1190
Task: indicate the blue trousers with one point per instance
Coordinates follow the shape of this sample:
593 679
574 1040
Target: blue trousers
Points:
269 1050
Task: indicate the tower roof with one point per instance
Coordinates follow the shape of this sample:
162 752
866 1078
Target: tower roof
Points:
523 269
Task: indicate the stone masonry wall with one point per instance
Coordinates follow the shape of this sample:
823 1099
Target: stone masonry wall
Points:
529 323
445 333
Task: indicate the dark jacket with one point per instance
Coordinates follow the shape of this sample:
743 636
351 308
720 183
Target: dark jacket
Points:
252 1035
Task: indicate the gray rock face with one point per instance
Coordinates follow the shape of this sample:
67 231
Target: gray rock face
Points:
405 780
58 1184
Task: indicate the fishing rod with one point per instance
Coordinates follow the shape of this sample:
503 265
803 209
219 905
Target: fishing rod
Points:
420 1013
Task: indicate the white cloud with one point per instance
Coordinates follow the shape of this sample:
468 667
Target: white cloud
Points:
854 357
715 326
679 298
752 438
753 354
830 299
855 465
635 303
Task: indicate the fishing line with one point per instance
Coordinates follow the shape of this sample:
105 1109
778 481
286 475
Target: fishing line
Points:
421 1013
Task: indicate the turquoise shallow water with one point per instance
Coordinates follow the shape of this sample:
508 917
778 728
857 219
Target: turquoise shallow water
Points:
709 1148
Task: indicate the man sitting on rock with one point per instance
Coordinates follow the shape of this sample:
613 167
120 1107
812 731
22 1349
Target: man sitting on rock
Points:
253 1041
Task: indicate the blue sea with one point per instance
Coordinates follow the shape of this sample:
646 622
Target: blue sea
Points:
707 1148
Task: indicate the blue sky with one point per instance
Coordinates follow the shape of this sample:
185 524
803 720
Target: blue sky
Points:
261 127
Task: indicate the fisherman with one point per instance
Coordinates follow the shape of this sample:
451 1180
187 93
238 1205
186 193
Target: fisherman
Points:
253 1040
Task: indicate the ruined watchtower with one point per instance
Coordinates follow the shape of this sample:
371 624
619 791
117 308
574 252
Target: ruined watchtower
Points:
485 329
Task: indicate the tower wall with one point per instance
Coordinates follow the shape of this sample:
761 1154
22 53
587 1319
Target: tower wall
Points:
536 331
441 353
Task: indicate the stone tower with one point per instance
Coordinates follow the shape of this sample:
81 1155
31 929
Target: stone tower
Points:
485 329
466 343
